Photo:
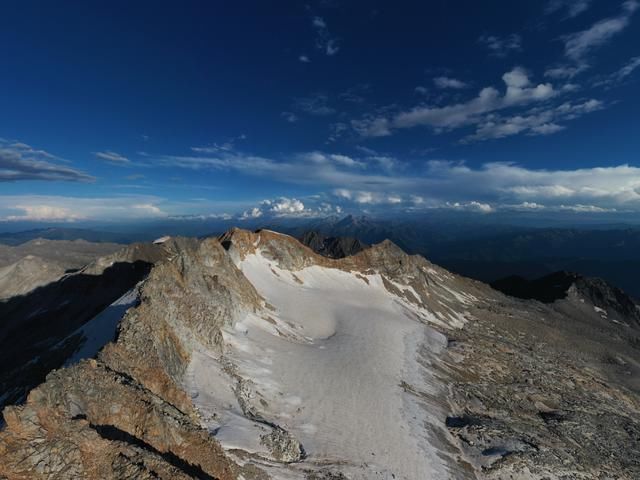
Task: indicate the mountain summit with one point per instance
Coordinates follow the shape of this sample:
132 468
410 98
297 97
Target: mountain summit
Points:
250 356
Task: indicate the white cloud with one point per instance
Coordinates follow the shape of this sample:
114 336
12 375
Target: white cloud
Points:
448 82
578 45
66 209
149 209
364 197
372 127
337 159
501 46
620 75
526 206
585 208
288 207
384 161
285 206
472 206
606 186
519 91
628 68
43 213
365 181
534 122
289 117
421 90
253 213
485 112
565 71
304 59
318 22
324 40
317 104
112 157
573 8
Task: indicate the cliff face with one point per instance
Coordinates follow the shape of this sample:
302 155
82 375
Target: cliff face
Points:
251 356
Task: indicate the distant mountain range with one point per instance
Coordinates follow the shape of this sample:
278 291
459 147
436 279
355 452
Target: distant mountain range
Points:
482 251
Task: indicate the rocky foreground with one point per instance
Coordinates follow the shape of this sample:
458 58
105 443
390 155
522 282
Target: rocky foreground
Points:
250 357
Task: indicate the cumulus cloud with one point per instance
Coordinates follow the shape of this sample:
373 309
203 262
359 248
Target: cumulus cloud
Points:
285 206
112 157
579 44
19 161
447 82
501 46
288 207
255 212
472 206
304 59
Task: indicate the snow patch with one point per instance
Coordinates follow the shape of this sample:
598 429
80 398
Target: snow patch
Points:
343 365
101 329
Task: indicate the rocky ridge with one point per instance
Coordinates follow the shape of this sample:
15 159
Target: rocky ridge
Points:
333 247
528 390
39 262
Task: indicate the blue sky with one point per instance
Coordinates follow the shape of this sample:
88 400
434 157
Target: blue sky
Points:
145 110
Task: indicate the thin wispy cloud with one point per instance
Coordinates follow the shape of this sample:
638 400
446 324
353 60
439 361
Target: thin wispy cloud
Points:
501 46
289 117
112 157
19 162
580 44
571 8
620 75
364 180
317 104
519 91
538 121
448 82
325 42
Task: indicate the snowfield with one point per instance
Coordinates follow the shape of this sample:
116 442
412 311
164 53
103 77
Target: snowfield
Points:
341 364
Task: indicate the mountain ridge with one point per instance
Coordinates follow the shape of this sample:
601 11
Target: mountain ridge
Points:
494 378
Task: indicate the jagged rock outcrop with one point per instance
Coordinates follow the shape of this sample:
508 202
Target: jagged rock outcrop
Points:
251 356
89 421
